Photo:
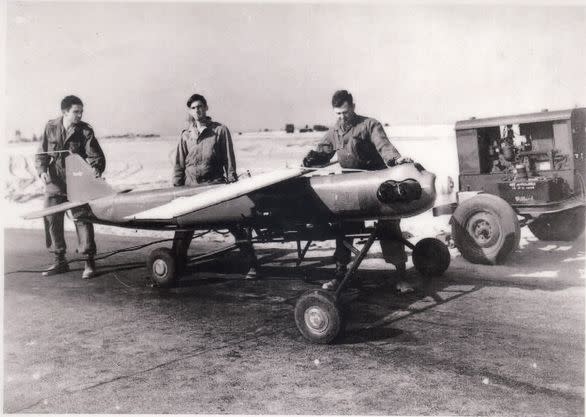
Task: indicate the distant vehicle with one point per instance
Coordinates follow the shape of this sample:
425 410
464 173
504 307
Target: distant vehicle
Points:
283 205
320 128
290 128
305 129
529 166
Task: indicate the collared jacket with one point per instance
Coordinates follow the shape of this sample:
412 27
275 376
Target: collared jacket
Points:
363 145
78 139
206 157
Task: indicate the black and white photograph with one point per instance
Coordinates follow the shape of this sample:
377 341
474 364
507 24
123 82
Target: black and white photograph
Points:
293 208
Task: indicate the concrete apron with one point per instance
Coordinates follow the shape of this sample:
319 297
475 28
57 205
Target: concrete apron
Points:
505 340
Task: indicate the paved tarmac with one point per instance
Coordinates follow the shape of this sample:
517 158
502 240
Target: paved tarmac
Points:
505 340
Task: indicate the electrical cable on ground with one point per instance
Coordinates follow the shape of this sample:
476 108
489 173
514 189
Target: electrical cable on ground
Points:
107 254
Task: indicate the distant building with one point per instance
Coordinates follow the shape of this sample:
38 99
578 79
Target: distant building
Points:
290 128
320 128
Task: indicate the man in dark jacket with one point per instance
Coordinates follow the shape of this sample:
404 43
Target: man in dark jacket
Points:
64 135
360 143
205 155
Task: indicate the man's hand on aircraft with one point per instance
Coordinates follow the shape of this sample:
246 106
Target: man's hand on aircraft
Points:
400 160
312 159
405 160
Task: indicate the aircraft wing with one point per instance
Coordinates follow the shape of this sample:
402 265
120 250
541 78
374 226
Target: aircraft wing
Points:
185 205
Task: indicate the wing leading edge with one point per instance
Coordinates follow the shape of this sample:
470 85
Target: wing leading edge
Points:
184 205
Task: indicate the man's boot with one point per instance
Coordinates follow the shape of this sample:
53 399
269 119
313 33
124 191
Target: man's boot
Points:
339 274
402 286
59 267
255 271
90 269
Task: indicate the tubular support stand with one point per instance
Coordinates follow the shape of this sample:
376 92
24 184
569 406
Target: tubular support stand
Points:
351 247
301 253
406 243
359 258
360 255
212 254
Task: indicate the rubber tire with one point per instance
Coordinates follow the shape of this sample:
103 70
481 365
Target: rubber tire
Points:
565 226
169 277
431 257
495 212
326 303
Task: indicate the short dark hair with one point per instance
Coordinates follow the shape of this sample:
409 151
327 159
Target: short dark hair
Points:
340 97
196 97
69 101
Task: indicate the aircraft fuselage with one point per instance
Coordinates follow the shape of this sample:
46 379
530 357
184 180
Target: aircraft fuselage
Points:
319 198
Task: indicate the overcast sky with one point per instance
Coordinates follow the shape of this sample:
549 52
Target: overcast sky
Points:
264 65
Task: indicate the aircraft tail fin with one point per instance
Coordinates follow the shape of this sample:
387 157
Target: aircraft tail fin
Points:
82 184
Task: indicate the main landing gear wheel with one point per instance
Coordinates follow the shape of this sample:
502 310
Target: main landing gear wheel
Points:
566 225
163 267
431 257
318 316
485 229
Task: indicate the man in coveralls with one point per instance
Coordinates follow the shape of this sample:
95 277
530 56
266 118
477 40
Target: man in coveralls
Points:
205 155
64 135
361 143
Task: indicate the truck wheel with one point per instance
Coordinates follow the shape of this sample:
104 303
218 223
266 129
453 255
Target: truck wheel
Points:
431 257
162 266
567 225
485 229
318 317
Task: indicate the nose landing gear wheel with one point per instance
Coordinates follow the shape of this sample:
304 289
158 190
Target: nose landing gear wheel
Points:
318 317
162 266
431 257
